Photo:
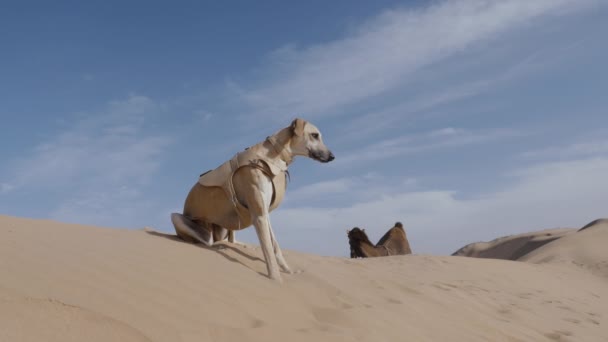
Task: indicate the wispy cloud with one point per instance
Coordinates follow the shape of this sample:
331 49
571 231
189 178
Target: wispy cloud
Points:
440 94
104 147
115 205
353 189
101 160
576 150
203 115
5 187
320 189
448 137
381 54
547 195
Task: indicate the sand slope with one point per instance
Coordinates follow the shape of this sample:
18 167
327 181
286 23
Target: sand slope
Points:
61 282
587 248
512 247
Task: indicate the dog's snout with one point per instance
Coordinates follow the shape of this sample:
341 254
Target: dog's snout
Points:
324 156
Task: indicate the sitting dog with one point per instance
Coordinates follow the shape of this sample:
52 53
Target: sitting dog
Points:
245 189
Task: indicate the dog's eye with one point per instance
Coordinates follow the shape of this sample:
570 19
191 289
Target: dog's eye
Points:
314 135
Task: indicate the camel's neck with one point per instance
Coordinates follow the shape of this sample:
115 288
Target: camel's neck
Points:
370 250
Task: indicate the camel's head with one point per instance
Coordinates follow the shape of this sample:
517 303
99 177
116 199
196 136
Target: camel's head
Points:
356 236
307 141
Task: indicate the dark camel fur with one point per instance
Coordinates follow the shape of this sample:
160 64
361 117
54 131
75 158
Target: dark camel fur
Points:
394 242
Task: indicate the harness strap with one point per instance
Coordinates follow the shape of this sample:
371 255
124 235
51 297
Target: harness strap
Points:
234 165
255 160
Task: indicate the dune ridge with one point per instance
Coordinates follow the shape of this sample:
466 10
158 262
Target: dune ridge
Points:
66 282
512 247
584 247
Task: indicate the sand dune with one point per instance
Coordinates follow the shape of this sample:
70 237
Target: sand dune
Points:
62 282
584 247
588 249
512 247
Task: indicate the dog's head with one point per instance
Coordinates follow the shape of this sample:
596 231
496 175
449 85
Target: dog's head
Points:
307 141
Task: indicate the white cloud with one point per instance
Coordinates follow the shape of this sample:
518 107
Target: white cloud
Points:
558 194
203 115
5 187
347 190
101 148
441 88
423 142
97 164
591 148
385 51
116 205
320 189
445 132
392 115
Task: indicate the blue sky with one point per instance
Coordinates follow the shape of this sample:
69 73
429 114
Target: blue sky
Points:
465 119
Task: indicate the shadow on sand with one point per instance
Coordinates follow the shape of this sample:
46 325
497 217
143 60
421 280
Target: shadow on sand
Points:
220 248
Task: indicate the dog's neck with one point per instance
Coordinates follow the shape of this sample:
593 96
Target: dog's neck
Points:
278 146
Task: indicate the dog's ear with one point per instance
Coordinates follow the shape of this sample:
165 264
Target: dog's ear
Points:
297 126
347 231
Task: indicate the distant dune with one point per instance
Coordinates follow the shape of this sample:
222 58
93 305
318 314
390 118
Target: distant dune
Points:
586 247
512 247
65 282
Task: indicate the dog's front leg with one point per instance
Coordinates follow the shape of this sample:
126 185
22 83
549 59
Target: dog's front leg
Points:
254 189
263 230
257 190
277 252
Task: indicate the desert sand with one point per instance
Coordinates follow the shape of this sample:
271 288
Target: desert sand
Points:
585 247
65 282
513 247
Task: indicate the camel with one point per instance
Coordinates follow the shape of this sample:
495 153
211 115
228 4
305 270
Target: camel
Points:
394 242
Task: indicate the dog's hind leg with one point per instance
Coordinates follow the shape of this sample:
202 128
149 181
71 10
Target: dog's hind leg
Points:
190 231
221 234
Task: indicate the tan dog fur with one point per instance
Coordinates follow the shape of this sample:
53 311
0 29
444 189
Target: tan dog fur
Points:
258 181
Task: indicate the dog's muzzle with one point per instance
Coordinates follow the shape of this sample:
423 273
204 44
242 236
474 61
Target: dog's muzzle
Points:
322 156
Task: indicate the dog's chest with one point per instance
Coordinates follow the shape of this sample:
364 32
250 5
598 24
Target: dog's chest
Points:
222 176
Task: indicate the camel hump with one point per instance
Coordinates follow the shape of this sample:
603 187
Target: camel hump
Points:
398 224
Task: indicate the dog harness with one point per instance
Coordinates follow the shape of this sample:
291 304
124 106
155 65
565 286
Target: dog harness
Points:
222 176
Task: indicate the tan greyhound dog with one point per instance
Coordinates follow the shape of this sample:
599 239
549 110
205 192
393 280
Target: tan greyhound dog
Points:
244 190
